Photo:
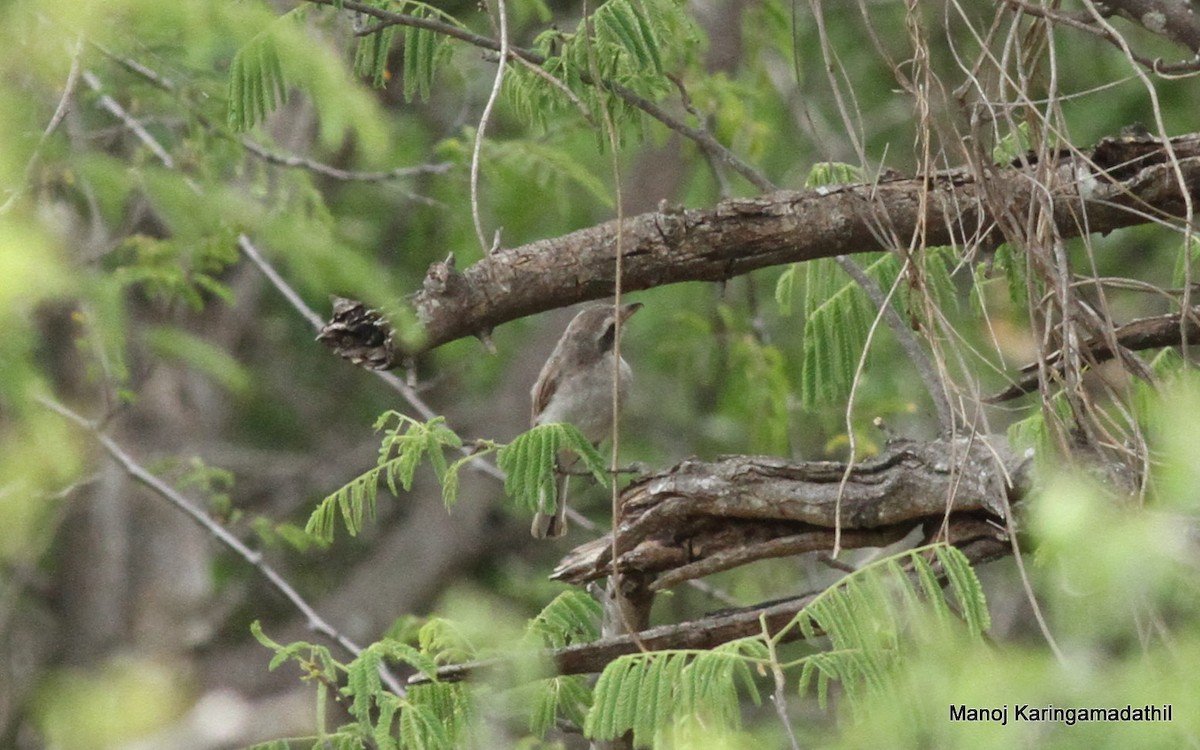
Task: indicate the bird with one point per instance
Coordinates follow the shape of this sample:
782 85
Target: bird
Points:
575 386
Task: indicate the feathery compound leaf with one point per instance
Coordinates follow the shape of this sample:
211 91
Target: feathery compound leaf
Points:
571 617
568 697
256 80
871 613
838 317
371 57
785 288
647 693
529 462
425 52
421 729
1010 261
401 450
966 588
832 174
447 703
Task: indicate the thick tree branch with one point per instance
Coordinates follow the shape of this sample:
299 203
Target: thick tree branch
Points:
743 508
1118 184
699 518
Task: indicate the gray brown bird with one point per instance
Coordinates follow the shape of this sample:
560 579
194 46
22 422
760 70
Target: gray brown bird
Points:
575 386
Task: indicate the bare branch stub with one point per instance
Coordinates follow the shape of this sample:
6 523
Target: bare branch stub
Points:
699 517
738 236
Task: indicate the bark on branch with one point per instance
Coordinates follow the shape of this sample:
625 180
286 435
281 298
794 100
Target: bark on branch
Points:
739 509
1120 183
700 518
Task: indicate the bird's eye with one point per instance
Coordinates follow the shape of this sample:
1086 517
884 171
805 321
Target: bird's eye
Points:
607 338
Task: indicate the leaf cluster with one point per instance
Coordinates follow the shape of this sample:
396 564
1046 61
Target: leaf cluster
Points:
868 617
529 463
405 443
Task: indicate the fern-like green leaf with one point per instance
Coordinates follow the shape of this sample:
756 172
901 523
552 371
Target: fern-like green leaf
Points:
866 616
420 729
838 317
832 174
568 697
256 80
571 617
965 586
447 704
529 461
785 288
1010 261
647 693
444 642
371 57
405 443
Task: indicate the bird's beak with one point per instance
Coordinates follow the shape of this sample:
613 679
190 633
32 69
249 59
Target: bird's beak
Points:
630 309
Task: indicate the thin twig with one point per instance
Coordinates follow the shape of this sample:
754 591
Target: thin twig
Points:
481 131
701 138
60 112
113 107
316 623
291 160
1107 33
779 697
908 342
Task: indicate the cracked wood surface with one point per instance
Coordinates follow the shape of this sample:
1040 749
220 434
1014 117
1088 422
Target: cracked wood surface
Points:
702 517
1119 183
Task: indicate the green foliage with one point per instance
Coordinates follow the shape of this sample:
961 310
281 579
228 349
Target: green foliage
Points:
1011 263
1014 144
200 355
628 43
170 270
371 56
837 320
571 617
1034 432
839 315
403 446
1185 262
529 463
757 383
568 697
256 80
866 615
431 716
647 693
549 166
831 174
283 55
425 51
